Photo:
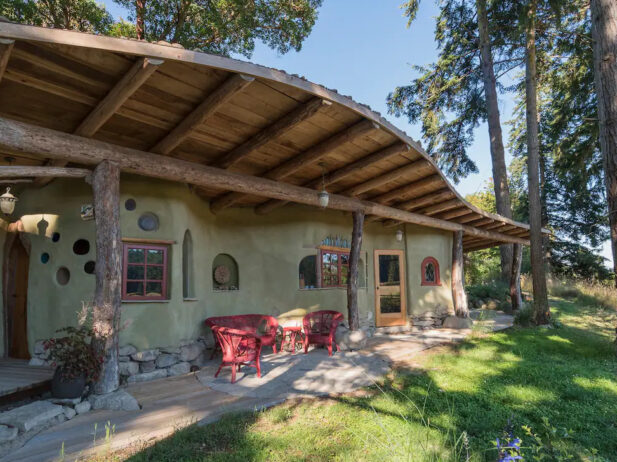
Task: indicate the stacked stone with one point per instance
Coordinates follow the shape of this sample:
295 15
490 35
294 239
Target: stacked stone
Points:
156 363
21 423
40 356
431 319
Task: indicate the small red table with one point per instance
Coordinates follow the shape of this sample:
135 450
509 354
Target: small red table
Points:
289 336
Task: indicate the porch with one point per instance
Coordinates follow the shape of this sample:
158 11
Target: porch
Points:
172 403
19 380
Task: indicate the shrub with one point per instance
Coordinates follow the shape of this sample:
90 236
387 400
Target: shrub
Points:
74 354
524 316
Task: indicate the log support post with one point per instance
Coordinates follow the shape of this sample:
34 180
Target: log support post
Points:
352 280
459 298
108 273
515 278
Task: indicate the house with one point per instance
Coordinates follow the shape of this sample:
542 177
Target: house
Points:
236 195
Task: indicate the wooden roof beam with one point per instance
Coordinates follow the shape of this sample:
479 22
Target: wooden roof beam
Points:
411 188
6 46
441 207
476 220
206 109
272 132
19 137
310 156
414 167
343 172
109 105
63 172
455 213
425 200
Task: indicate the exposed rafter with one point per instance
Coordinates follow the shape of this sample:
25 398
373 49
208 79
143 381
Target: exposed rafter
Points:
20 137
455 213
415 188
310 156
208 107
473 218
21 172
109 105
6 46
272 132
425 200
441 207
415 167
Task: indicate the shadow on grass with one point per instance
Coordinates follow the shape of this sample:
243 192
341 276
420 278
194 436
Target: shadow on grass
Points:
567 375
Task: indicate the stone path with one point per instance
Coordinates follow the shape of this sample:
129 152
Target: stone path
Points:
172 403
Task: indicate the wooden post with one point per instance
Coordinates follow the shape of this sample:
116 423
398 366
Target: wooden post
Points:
352 278
515 278
107 294
458 291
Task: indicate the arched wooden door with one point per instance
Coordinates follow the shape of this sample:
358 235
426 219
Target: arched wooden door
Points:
17 301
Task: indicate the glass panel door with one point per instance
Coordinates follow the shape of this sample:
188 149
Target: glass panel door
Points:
389 288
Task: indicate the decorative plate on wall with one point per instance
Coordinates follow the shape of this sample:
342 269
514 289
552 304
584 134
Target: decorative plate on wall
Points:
222 274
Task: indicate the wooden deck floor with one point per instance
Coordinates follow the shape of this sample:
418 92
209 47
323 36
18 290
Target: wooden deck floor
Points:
17 377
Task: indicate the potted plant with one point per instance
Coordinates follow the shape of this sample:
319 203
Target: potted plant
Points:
75 360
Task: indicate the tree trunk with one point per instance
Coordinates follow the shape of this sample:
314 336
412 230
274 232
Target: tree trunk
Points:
140 10
515 277
352 278
459 298
604 35
108 273
500 173
540 295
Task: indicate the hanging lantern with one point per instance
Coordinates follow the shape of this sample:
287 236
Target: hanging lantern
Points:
324 198
7 202
399 235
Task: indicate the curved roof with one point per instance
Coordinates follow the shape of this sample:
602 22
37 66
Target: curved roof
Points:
226 113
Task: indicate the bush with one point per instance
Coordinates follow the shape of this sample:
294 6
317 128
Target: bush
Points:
524 316
498 291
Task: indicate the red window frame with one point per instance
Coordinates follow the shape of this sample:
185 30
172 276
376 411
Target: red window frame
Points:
145 264
326 279
426 261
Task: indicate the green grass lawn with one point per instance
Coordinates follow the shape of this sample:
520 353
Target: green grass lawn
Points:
456 402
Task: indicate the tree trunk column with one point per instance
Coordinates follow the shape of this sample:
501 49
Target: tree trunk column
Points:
515 278
352 278
107 294
459 298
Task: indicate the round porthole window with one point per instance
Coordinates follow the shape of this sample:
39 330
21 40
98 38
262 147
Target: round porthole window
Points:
81 247
130 205
148 222
55 237
89 267
63 276
44 257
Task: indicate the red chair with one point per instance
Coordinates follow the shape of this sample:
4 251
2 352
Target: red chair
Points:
240 348
260 325
319 329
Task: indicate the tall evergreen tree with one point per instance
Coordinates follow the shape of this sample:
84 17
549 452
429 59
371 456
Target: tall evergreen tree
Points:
225 26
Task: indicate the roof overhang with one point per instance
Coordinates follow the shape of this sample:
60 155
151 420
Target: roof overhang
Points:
225 117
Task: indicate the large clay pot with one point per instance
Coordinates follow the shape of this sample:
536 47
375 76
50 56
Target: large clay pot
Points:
67 388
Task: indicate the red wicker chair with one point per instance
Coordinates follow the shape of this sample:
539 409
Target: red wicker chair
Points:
319 329
260 325
240 348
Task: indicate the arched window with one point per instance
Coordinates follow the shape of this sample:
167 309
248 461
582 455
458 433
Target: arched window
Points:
308 272
225 273
188 287
430 272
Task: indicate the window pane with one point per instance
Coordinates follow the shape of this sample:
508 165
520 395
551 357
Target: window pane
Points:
154 289
135 272
134 288
155 256
136 255
429 272
326 257
155 272
344 259
334 258
390 303
344 274
389 270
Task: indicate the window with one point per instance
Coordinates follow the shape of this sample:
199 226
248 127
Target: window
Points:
308 272
430 272
187 266
334 268
144 272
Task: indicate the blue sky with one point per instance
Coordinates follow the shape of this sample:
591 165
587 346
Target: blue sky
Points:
363 48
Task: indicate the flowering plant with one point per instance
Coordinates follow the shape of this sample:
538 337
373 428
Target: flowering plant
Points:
74 355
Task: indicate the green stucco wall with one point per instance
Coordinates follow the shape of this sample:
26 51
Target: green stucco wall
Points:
3 225
267 249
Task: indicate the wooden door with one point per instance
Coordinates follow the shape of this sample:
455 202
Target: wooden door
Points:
17 301
390 306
